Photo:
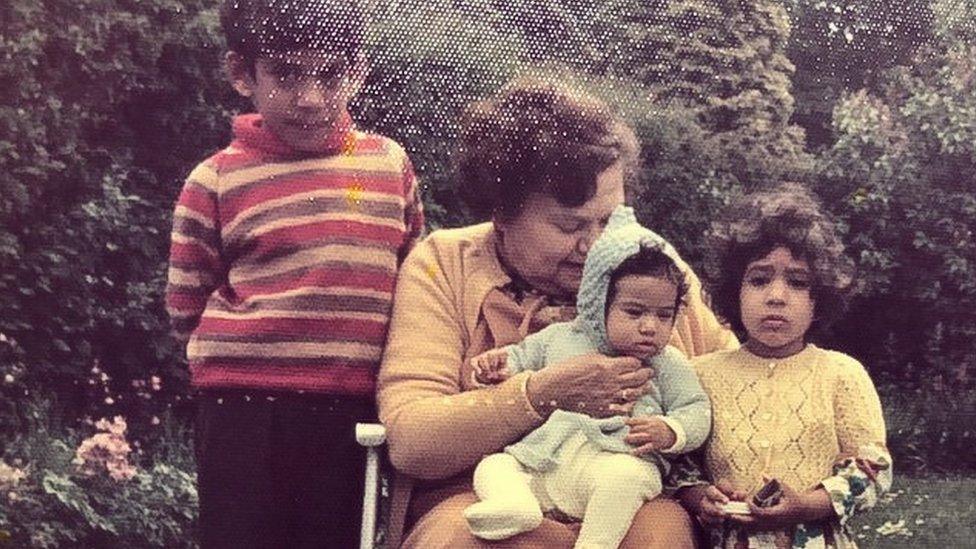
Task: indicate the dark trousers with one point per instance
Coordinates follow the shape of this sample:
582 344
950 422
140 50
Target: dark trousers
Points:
279 470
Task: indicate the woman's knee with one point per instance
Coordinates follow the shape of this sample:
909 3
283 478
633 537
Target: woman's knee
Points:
661 523
444 527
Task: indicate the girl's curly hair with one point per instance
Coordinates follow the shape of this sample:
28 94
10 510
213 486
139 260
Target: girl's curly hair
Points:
755 224
539 136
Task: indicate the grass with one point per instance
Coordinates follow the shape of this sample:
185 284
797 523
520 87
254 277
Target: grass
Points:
922 513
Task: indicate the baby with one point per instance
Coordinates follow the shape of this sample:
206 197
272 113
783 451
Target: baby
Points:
577 465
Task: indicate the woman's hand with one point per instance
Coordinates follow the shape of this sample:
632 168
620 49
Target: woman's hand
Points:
649 434
707 501
793 508
593 384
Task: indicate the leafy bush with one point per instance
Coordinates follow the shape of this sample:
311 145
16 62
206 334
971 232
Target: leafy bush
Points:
53 498
901 176
107 106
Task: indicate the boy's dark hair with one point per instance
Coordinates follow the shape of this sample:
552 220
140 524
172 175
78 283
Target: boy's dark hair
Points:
254 28
538 136
649 261
753 225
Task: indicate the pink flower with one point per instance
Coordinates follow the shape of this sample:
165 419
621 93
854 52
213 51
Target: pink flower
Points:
10 476
156 383
106 450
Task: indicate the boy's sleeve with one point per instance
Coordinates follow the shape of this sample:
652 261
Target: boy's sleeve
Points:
413 212
863 471
195 263
687 409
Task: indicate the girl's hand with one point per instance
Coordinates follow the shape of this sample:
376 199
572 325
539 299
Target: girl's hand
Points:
593 384
793 508
706 502
649 434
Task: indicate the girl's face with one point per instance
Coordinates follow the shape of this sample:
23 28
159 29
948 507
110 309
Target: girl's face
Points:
776 304
546 243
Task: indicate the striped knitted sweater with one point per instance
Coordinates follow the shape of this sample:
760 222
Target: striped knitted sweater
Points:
283 265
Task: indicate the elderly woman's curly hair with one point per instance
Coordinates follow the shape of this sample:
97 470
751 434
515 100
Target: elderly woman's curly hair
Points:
539 136
753 225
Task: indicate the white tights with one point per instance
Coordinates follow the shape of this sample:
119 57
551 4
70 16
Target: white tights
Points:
604 489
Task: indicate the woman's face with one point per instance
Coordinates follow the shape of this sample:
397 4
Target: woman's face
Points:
546 243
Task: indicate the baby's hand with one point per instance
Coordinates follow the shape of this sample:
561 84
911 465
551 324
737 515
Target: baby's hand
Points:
491 366
649 434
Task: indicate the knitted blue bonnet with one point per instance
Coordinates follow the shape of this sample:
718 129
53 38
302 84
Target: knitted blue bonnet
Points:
622 238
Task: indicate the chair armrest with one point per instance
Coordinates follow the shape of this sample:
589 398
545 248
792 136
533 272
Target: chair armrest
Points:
370 434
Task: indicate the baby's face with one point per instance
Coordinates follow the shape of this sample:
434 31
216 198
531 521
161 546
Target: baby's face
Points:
641 316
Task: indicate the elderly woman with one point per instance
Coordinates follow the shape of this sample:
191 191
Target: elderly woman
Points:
547 165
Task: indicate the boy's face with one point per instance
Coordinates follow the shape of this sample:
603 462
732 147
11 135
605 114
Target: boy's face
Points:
777 308
641 316
300 95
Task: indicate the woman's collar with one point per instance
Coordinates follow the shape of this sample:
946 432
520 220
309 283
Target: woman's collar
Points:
519 286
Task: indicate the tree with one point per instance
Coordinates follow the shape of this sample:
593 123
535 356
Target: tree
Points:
430 59
901 175
106 105
842 46
726 60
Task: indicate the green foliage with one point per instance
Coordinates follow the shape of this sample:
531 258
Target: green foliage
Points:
105 107
926 424
900 174
430 59
727 61
836 46
954 21
56 505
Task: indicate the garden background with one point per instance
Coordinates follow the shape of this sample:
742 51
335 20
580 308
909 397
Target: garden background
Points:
105 105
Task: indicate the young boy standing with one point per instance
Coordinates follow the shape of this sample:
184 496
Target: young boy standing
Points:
284 255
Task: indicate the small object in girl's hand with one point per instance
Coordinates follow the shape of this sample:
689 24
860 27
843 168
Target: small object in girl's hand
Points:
736 508
768 495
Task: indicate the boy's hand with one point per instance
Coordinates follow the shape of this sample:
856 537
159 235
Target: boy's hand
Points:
649 434
490 367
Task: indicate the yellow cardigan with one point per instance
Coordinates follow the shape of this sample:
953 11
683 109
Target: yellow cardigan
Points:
791 419
434 428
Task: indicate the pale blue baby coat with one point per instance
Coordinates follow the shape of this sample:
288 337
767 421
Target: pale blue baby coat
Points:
676 392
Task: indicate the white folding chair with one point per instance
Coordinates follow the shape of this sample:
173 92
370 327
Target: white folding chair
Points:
372 436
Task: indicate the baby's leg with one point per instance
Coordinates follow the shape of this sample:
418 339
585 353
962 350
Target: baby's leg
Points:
618 484
507 505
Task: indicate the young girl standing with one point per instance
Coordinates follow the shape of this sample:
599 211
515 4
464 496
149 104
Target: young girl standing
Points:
785 409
